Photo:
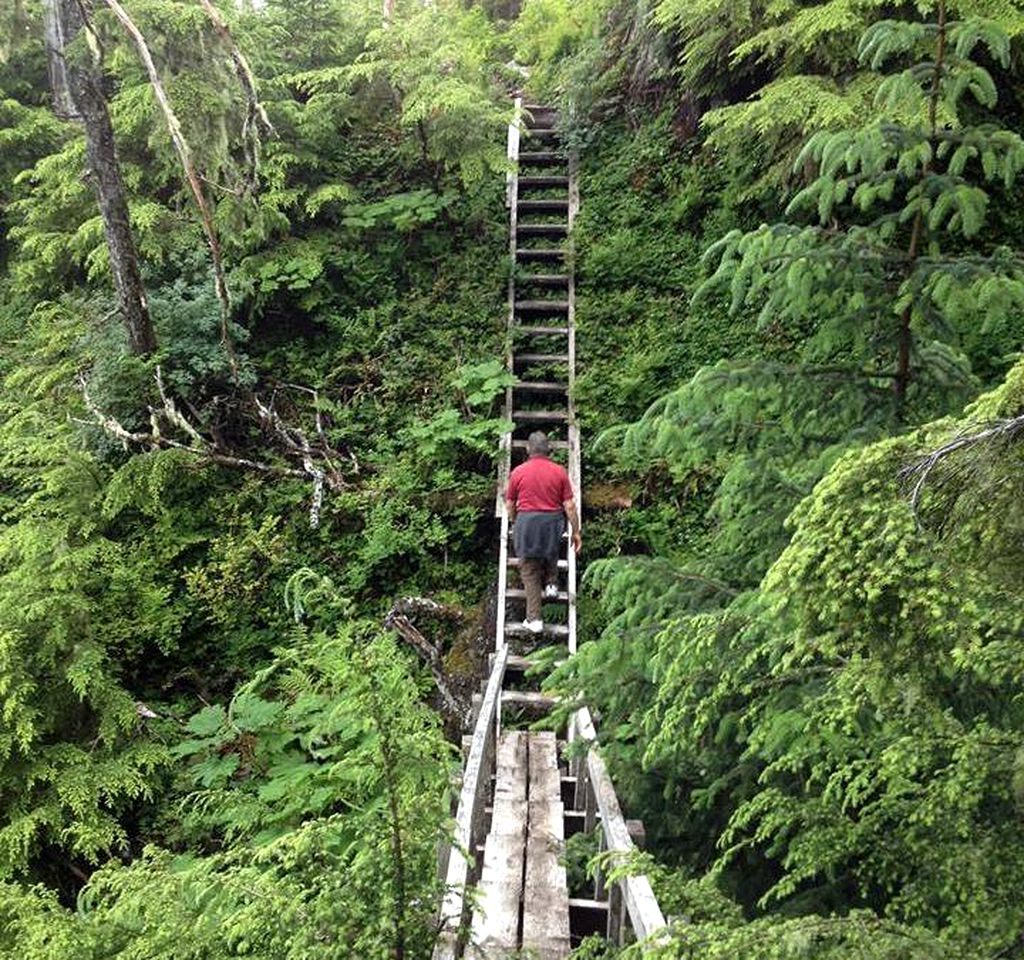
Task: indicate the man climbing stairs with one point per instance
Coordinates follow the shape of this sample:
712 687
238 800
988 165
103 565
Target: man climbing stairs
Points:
520 795
543 200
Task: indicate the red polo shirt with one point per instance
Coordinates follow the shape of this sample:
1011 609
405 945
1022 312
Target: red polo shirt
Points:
539 485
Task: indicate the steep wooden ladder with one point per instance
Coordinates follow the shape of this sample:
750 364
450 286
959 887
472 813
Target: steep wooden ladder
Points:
511 848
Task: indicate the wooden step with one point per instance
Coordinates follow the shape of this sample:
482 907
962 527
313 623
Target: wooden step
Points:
538 116
559 630
543 280
541 416
542 158
541 306
539 253
542 230
542 206
540 331
543 183
541 358
528 700
516 664
542 133
541 386
554 444
513 594
562 564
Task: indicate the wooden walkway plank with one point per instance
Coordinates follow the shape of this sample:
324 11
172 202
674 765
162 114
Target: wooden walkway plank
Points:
495 927
546 897
522 905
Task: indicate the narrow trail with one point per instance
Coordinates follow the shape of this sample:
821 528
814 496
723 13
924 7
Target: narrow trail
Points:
506 886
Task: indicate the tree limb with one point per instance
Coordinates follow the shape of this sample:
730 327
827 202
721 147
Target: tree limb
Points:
997 430
256 119
168 424
398 621
184 152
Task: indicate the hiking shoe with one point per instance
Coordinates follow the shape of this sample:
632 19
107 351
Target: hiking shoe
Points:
534 626
551 592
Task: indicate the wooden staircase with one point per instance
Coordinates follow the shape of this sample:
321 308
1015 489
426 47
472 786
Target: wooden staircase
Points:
520 797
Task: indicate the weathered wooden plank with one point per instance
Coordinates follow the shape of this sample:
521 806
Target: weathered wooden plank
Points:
517 594
527 358
469 818
545 777
510 767
540 331
495 927
546 896
528 700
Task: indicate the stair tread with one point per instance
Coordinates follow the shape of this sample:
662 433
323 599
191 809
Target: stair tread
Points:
562 564
514 594
540 414
541 358
554 444
550 630
542 386
540 331
544 279
546 305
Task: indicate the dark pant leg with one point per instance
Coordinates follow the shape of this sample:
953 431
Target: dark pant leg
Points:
531 571
551 571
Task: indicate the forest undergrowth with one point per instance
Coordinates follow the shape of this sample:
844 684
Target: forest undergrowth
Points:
801 314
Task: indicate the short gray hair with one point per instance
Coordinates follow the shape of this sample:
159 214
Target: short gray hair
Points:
537 444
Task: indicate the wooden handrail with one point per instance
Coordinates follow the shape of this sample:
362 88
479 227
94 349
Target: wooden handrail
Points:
634 897
469 818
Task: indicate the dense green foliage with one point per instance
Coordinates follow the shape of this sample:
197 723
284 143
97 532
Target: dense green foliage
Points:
810 684
799 271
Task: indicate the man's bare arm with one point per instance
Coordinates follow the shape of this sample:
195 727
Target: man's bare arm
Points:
510 507
574 524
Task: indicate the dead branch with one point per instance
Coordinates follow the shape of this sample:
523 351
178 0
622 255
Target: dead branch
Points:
171 429
398 620
423 606
256 120
184 152
998 430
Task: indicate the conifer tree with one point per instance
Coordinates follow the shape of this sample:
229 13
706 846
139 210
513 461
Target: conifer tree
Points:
879 282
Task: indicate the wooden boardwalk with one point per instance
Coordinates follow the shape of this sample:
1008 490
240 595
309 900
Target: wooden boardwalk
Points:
505 876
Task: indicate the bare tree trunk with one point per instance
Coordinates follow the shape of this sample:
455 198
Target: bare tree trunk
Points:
78 94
